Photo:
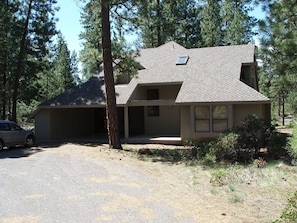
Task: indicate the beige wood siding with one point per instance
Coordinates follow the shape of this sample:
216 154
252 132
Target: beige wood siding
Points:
243 110
185 128
236 113
43 125
167 123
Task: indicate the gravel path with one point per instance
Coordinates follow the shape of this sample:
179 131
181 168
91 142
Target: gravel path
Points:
82 184
91 183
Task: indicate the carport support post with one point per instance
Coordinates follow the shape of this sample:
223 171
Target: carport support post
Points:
126 121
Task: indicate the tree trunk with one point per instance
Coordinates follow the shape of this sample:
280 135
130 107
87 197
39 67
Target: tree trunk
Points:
4 90
159 40
283 109
20 64
111 107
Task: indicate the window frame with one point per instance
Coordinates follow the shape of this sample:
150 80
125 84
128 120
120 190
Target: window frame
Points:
212 119
202 119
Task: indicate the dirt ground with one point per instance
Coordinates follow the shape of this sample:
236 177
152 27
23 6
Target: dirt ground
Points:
245 195
207 195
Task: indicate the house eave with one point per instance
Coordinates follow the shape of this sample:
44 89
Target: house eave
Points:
224 102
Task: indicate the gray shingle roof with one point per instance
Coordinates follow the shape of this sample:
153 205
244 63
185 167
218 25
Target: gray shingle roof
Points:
91 92
210 75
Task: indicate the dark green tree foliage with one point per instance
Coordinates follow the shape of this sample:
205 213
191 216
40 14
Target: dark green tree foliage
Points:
195 23
62 68
5 24
26 26
182 23
58 71
74 67
163 20
278 53
121 16
237 24
211 23
91 54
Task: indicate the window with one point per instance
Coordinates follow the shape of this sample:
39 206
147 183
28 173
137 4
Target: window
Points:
214 121
182 60
153 94
202 119
219 118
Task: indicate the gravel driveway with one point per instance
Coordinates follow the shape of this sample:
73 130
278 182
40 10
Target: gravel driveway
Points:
70 183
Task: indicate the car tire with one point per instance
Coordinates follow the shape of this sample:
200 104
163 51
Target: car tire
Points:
30 141
1 145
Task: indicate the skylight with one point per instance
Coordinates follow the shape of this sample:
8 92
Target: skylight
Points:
182 60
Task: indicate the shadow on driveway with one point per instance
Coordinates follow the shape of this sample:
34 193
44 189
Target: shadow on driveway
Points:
14 153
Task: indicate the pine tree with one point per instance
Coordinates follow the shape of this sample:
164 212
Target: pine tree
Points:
237 23
162 21
36 23
278 53
62 66
111 108
211 23
91 54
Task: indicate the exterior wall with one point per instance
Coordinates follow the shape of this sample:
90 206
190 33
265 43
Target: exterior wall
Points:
43 125
243 110
165 92
166 124
236 113
185 123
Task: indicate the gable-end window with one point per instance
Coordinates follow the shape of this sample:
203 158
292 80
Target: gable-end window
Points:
202 119
153 94
219 118
182 60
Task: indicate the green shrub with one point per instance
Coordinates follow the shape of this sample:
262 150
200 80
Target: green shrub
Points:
256 133
277 145
289 214
239 144
199 148
219 177
226 147
292 148
209 159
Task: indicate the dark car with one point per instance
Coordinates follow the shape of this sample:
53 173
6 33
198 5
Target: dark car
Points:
11 134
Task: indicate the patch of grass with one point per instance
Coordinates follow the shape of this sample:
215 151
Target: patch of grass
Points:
236 198
219 177
289 214
195 176
232 187
214 192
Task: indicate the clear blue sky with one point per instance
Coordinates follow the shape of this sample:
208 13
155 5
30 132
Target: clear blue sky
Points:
69 23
